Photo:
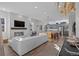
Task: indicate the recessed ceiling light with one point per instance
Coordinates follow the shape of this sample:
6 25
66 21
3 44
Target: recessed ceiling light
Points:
59 6
20 16
35 7
45 12
4 9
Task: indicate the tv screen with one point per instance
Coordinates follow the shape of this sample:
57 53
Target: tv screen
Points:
19 23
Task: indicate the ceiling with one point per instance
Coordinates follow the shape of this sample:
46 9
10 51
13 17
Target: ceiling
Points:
44 11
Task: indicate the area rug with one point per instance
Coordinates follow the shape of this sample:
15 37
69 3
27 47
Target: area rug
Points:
66 49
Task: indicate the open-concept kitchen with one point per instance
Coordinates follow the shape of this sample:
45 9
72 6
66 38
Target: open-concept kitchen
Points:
39 29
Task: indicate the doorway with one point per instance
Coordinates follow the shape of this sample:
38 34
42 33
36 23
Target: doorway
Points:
74 28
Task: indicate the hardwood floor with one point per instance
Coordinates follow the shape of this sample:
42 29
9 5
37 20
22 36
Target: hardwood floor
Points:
1 50
1 47
46 49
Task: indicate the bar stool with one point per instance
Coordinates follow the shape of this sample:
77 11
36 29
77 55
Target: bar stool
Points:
50 37
56 36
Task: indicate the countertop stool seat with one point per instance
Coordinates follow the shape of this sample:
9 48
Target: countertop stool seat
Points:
53 36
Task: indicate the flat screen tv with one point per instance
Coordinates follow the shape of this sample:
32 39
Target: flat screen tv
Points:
19 23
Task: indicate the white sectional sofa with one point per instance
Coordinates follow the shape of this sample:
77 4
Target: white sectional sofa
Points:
22 45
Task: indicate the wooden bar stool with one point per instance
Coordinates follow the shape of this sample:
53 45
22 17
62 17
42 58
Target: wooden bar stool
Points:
50 37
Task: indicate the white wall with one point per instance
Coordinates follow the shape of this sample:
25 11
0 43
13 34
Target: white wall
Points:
9 23
36 25
13 17
71 21
6 17
77 20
